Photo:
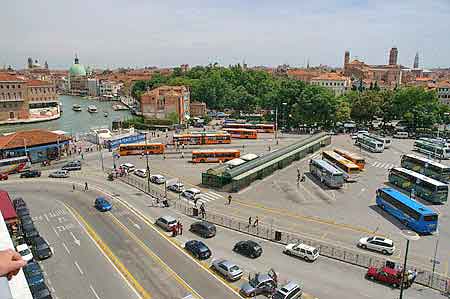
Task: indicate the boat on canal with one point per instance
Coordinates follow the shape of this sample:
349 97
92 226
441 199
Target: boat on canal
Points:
76 107
92 109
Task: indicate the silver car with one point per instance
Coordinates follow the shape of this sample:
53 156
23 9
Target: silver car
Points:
59 174
227 269
157 179
166 222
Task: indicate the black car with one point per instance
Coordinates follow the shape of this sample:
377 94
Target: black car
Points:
248 248
198 249
26 220
74 165
29 232
22 211
40 247
26 227
32 268
40 291
30 174
19 202
203 229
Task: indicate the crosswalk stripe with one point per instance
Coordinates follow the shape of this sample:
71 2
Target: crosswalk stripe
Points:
388 166
207 197
210 192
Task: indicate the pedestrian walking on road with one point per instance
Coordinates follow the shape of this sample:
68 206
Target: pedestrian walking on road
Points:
174 231
255 224
180 229
82 156
182 155
249 221
73 187
86 186
229 199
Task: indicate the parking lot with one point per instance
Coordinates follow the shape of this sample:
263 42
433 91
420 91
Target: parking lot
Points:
338 216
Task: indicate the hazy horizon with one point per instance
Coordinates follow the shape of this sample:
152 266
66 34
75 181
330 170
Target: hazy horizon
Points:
137 33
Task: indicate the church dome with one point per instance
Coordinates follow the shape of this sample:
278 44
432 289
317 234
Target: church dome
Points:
77 69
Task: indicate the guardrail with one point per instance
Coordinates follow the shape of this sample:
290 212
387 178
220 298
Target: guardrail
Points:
275 234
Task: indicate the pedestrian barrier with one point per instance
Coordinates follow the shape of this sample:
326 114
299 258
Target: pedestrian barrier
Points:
275 234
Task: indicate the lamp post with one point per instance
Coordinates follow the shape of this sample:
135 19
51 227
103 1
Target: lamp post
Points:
276 120
409 236
434 260
148 166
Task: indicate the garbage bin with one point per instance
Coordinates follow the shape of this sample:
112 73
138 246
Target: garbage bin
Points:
195 212
277 236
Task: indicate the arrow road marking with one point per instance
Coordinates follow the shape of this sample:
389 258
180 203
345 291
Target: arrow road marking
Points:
75 239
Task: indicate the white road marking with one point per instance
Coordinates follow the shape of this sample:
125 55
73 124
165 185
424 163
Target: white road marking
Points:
55 231
53 290
78 242
134 223
65 247
93 291
187 297
215 194
46 217
79 269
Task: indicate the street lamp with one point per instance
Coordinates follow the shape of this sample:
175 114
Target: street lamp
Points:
148 166
276 119
409 236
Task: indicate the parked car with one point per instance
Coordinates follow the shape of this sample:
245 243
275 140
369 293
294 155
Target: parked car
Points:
40 291
3 176
191 193
59 174
102 204
30 174
30 235
401 135
141 172
260 284
203 229
306 252
227 269
248 248
22 211
32 268
380 244
73 165
291 290
19 202
41 248
177 187
166 222
26 220
34 279
127 167
198 249
389 276
157 179
25 252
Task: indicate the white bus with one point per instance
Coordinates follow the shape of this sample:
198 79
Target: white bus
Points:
369 144
14 165
432 149
386 141
326 173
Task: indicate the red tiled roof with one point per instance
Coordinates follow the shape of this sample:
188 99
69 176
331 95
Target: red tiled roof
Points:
38 83
9 77
30 138
443 84
6 206
330 76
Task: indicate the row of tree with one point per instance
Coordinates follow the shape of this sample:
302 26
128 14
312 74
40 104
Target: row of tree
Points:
299 103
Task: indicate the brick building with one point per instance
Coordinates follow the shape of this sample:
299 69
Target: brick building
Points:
337 83
197 109
13 98
162 101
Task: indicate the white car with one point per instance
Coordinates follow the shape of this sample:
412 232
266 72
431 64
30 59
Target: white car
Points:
177 187
306 252
59 174
141 172
128 167
25 252
383 245
157 179
191 193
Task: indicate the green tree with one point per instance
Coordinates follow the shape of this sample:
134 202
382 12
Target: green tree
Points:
173 117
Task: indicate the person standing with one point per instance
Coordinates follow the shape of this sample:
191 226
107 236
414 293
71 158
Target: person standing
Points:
180 229
249 221
73 187
86 186
255 224
229 199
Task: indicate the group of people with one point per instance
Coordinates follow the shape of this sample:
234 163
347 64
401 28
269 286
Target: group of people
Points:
177 229
255 223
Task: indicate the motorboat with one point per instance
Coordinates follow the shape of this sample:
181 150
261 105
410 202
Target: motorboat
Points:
92 109
105 114
76 107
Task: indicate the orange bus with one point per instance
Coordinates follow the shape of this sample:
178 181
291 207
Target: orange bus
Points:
260 128
355 158
242 133
213 155
199 138
140 148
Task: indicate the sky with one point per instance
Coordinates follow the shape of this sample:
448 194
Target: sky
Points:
137 33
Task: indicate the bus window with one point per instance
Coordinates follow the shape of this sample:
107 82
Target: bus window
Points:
430 218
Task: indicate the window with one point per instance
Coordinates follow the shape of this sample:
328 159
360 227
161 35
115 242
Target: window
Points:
13 86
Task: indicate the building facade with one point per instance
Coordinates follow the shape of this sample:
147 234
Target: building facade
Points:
197 109
443 91
337 83
162 101
13 98
77 81
42 94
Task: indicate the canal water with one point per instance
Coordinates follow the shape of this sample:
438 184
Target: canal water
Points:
76 122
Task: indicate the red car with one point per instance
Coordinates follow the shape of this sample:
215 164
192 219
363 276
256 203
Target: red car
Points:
386 275
3 176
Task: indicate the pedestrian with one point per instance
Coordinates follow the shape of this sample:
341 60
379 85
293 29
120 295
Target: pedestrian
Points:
229 199
256 221
82 156
249 220
142 156
298 171
195 201
174 231
269 148
86 186
73 187
180 228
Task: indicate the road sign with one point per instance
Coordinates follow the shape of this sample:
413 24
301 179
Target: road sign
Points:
435 261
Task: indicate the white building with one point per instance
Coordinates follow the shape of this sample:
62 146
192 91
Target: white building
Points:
93 87
109 88
443 92
337 83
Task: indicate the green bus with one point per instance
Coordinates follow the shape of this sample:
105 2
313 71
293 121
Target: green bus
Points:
432 149
418 184
427 167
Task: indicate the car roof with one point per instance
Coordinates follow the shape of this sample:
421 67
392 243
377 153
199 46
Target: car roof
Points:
306 247
194 190
22 247
227 263
168 218
289 287
141 169
264 277
127 164
204 223
251 243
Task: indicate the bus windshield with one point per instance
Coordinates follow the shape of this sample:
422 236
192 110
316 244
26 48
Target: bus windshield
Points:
430 218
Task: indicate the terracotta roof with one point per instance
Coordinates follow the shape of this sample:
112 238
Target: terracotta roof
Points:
9 77
30 138
443 84
424 79
39 83
330 77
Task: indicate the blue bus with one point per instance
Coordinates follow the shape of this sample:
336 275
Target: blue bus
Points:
410 212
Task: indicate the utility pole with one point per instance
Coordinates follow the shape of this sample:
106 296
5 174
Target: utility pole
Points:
148 166
434 260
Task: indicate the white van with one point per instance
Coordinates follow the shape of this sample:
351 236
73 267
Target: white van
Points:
401 135
128 167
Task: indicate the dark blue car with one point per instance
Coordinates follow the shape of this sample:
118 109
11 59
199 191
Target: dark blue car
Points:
198 249
102 204
34 278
